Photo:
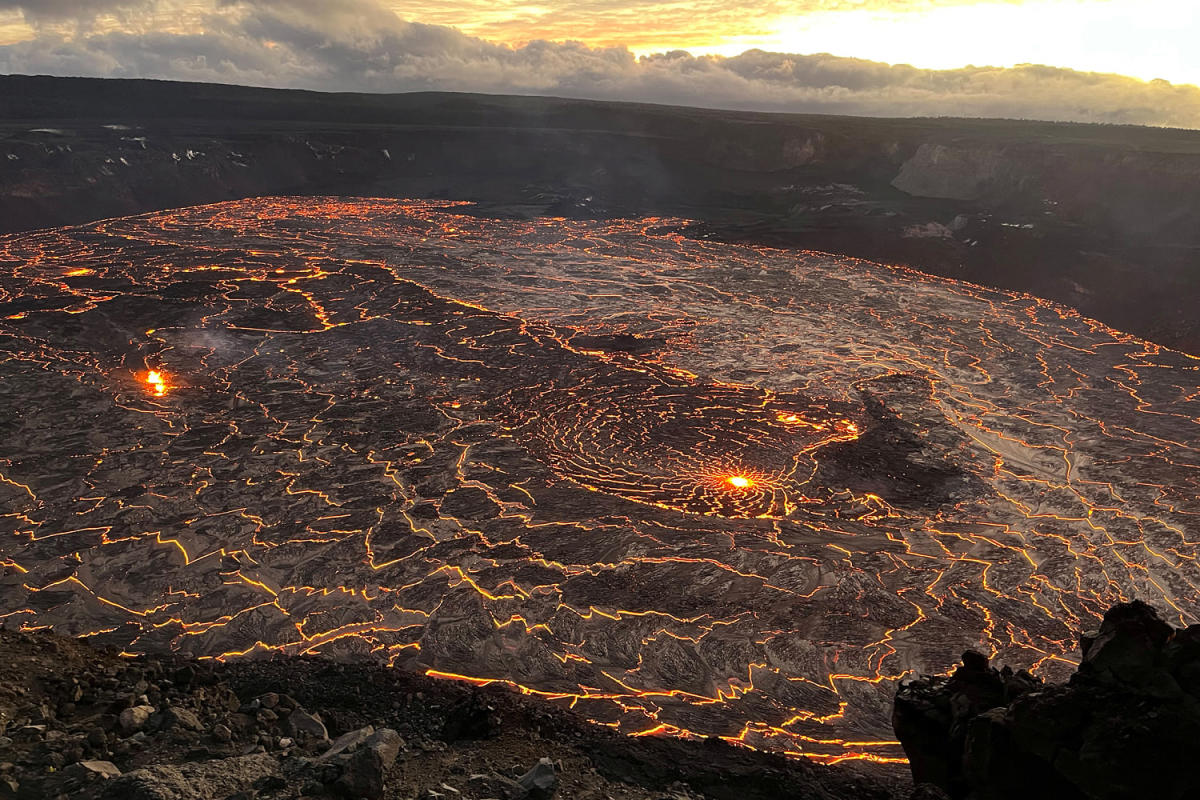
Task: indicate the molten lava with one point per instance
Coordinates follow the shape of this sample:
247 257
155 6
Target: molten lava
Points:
157 382
687 488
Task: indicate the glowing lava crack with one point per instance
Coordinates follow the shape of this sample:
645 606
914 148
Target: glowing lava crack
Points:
646 436
686 488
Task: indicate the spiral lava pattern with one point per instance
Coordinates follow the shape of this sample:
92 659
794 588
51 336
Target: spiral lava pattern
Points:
686 488
726 450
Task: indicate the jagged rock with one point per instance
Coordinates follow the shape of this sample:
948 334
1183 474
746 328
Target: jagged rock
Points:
303 724
931 716
362 776
1128 650
222 733
182 718
387 743
195 781
133 719
364 771
347 742
541 782
1122 728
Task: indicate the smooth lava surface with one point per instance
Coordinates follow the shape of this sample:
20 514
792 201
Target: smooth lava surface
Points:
686 488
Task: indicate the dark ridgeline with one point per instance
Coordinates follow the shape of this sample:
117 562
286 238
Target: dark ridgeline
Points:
1100 218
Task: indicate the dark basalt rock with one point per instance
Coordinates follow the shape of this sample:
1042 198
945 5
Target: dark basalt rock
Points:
540 782
1126 726
932 716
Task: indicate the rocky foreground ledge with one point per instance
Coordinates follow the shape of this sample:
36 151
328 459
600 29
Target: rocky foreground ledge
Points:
78 723
1126 726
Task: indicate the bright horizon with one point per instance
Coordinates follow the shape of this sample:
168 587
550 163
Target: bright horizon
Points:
1118 61
1144 39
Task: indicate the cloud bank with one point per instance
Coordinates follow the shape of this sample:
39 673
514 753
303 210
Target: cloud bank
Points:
342 45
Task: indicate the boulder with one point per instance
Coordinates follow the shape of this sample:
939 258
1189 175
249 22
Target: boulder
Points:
366 768
134 719
182 718
387 743
362 775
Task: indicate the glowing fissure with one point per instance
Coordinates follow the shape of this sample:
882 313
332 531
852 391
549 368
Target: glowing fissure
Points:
686 488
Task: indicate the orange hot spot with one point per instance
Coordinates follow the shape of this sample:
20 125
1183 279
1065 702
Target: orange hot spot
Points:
157 382
76 273
789 418
739 481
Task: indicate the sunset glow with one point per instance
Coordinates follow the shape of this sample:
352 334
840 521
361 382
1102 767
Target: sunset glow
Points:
1146 39
1090 35
1064 60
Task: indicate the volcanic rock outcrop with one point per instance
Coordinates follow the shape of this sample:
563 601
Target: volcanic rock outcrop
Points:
1125 726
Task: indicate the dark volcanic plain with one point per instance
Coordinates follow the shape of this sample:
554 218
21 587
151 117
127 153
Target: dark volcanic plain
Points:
683 487
1100 218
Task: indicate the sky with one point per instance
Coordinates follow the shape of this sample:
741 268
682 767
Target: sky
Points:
1123 61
